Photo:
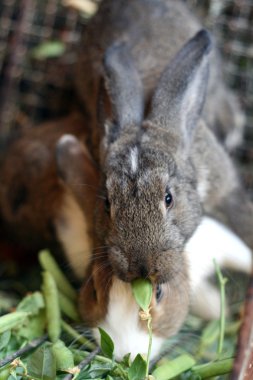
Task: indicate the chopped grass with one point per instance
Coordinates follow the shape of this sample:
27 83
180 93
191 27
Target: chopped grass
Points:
37 345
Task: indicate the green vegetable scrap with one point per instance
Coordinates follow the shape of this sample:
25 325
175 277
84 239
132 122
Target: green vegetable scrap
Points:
49 49
142 291
26 353
172 368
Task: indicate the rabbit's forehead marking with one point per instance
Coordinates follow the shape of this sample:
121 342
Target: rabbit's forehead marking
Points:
134 159
138 161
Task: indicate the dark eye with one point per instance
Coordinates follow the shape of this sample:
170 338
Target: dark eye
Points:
168 199
159 293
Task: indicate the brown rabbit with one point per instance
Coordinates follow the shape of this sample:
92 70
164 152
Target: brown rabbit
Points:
36 208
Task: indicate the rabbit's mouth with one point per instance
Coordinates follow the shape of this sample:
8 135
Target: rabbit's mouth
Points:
163 269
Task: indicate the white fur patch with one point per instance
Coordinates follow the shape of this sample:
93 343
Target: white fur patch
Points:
122 323
67 138
213 240
72 232
203 184
71 142
134 159
202 189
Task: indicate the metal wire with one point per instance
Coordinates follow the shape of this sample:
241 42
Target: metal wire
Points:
29 87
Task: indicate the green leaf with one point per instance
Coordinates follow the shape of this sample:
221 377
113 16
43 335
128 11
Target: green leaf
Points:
16 373
106 344
63 356
48 49
32 303
33 327
142 291
137 371
95 370
4 339
126 362
41 364
172 368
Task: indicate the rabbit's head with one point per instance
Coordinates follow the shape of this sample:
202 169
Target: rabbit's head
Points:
152 205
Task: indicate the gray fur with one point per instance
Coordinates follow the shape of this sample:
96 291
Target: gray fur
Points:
127 94
172 150
154 31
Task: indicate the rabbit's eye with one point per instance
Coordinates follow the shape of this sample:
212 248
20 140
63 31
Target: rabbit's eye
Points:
159 293
168 199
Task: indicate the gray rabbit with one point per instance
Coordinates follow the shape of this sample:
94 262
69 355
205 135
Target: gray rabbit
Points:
143 78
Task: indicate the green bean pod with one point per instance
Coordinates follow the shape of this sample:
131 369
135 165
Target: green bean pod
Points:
68 308
172 368
49 264
12 320
53 314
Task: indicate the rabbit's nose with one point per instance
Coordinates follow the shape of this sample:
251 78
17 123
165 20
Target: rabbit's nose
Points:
138 270
143 271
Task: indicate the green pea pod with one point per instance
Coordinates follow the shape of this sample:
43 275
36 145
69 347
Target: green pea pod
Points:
142 291
4 374
12 320
68 308
49 264
173 368
212 369
53 314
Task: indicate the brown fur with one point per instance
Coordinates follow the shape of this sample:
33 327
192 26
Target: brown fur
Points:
31 191
94 294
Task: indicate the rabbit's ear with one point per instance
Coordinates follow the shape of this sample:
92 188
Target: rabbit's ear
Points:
75 166
180 94
124 86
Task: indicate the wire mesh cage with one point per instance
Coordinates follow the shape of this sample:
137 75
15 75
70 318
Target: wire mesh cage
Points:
29 84
34 87
231 21
25 24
